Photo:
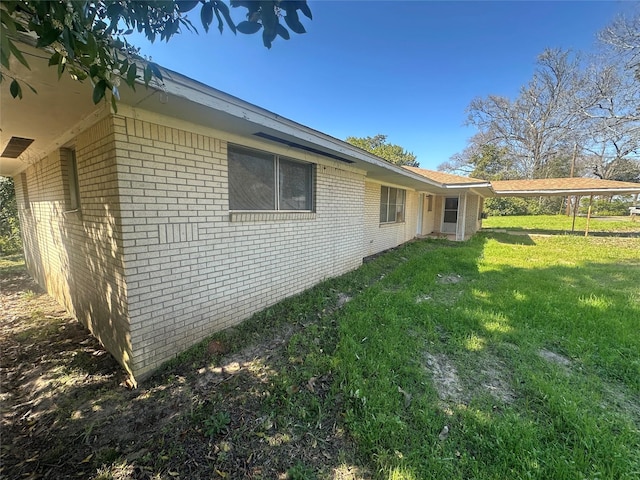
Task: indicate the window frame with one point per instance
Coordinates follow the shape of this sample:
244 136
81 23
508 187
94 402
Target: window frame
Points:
72 186
398 215
276 181
25 191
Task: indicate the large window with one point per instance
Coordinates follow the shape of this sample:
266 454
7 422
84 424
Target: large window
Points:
392 205
263 181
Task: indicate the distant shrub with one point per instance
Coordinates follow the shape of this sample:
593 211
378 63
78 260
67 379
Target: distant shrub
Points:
500 207
9 226
606 206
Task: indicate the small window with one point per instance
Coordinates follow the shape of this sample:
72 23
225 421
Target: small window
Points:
70 171
263 181
430 203
25 191
392 202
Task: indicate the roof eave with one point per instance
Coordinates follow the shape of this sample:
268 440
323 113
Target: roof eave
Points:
565 192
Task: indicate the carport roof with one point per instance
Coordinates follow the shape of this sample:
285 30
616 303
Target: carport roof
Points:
562 186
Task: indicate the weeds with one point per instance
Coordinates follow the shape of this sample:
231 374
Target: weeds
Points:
524 348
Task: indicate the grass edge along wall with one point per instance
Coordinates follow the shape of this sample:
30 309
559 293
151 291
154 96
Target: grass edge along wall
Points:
152 261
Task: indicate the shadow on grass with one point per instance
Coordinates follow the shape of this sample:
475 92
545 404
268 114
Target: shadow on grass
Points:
568 420
543 231
242 403
270 396
515 238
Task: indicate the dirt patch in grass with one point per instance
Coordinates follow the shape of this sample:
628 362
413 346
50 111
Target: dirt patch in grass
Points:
555 358
445 378
488 375
448 279
66 411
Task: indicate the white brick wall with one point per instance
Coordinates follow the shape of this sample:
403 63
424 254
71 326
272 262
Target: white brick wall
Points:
154 261
379 237
428 217
192 267
473 221
77 255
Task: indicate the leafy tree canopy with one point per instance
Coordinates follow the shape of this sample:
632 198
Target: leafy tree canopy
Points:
88 39
378 146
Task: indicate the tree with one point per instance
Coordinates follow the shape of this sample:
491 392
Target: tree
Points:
482 159
610 106
391 153
623 36
88 39
9 224
541 123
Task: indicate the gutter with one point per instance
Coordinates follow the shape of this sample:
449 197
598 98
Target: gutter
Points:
603 191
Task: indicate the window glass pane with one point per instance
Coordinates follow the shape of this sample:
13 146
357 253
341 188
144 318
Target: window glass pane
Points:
74 190
384 203
393 196
251 180
384 200
450 216
295 185
400 206
451 203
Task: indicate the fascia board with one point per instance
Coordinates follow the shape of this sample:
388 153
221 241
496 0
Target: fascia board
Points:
192 90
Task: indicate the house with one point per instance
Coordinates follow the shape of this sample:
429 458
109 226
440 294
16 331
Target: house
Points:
189 209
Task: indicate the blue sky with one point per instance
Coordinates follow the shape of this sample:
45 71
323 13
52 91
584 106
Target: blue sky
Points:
407 69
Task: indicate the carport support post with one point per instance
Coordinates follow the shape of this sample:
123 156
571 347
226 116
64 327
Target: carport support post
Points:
575 211
586 230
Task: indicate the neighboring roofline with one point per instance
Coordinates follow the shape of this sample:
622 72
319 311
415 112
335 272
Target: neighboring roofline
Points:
568 191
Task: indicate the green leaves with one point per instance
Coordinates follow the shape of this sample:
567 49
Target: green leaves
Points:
131 75
89 39
293 22
283 32
378 146
15 89
249 27
99 91
206 17
186 5
221 8
18 54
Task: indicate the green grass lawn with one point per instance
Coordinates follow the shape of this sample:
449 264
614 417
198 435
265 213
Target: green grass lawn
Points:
526 349
562 223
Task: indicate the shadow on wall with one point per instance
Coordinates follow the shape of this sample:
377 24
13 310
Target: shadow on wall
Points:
76 254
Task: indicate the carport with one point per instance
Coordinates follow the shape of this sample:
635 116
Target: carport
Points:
565 187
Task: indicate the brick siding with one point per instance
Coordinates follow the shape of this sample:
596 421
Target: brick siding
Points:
379 237
77 255
193 268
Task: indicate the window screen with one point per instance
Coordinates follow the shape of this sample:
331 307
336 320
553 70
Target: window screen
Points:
253 184
392 201
251 180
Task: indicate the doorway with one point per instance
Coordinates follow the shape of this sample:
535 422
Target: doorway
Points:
450 215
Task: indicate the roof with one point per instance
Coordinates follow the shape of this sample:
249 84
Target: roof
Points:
181 97
562 186
447 178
